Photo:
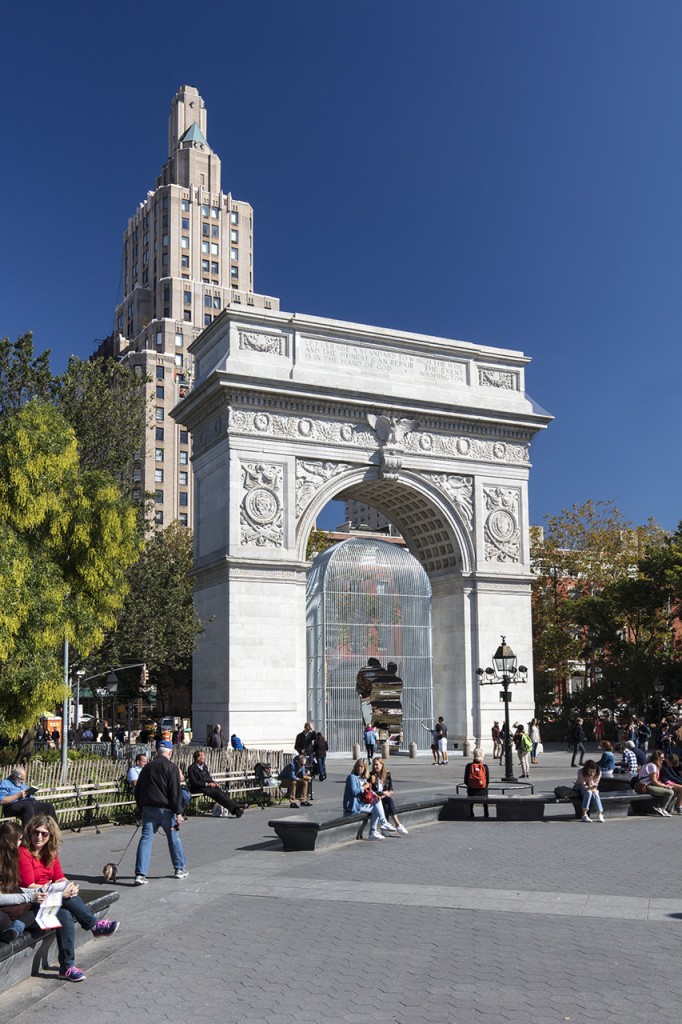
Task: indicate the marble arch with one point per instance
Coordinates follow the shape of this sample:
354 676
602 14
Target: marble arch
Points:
289 411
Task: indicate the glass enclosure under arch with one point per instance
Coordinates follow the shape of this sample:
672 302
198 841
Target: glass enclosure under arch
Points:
367 598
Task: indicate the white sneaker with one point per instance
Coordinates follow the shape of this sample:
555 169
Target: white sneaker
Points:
586 819
376 835
387 827
401 828
666 814
658 810
600 817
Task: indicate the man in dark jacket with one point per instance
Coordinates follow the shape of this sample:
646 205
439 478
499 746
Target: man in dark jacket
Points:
158 795
577 736
199 780
305 741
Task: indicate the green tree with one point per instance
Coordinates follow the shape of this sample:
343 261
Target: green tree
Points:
105 403
69 539
23 375
157 624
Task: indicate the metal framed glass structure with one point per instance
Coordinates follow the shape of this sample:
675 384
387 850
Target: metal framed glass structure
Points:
367 598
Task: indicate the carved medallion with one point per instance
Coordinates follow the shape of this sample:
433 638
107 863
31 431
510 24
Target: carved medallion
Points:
261 515
501 533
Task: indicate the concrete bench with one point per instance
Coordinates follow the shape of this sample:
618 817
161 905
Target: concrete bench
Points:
319 832
507 808
617 803
31 952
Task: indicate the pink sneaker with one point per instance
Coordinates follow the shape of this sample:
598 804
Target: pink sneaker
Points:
71 974
105 927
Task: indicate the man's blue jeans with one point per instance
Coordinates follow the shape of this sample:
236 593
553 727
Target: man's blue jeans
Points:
154 818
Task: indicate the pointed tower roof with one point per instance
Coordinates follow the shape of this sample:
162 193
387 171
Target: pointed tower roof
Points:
194 134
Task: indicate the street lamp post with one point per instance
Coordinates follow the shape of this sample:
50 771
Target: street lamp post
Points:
659 687
504 673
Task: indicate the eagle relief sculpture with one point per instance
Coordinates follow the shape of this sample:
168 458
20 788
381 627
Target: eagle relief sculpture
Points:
391 430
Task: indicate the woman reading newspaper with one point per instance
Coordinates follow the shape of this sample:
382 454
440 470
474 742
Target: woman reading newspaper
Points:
39 868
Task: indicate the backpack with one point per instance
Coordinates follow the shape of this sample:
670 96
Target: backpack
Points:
477 778
525 743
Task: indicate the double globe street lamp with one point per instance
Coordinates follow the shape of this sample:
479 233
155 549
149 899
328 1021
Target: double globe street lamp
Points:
504 673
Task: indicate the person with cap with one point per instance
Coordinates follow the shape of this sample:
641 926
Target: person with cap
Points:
18 801
158 795
200 780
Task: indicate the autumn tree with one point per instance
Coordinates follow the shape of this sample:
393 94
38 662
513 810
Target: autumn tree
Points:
592 604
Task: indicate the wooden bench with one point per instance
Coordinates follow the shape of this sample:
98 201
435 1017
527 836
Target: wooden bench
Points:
31 952
237 782
89 802
320 832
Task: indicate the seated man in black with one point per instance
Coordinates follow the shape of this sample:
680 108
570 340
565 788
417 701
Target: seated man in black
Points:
199 781
18 801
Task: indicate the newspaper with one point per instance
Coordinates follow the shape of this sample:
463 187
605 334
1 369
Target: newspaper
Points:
47 914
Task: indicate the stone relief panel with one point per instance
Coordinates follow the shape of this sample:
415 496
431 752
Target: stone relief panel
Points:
209 433
460 491
261 514
506 379
255 341
310 475
385 361
502 534
293 426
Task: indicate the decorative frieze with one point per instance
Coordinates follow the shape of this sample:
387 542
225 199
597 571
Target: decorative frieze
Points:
310 475
297 427
502 534
255 341
460 491
261 516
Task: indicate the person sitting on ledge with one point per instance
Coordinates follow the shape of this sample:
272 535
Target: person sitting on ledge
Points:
199 780
477 780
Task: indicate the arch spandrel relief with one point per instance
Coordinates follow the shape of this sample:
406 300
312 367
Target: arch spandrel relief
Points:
261 516
502 531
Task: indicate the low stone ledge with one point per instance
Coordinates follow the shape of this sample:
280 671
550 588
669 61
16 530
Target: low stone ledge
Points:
32 952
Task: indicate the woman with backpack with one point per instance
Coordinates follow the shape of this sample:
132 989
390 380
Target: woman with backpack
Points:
381 782
477 779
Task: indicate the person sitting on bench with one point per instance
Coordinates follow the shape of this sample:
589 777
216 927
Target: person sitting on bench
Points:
18 801
199 780
296 777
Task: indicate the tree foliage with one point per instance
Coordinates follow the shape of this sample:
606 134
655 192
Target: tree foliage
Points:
602 599
105 403
158 624
23 375
68 539
318 541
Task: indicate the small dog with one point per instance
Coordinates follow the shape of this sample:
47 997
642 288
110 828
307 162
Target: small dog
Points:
109 871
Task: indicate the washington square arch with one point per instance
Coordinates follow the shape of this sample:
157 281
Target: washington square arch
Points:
290 411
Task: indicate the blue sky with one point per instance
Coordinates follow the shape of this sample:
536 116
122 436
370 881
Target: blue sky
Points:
501 171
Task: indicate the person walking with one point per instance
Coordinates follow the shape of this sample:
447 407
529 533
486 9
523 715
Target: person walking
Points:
159 796
534 733
442 739
496 734
370 737
524 745
577 737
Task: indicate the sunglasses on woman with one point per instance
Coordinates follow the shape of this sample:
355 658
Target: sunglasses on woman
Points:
39 832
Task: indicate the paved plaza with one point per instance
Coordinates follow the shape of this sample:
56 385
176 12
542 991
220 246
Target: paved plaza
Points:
457 922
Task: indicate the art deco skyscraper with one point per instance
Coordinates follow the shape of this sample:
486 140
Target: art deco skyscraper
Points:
187 254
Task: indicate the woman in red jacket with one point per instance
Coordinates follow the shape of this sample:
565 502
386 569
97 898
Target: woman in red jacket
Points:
38 867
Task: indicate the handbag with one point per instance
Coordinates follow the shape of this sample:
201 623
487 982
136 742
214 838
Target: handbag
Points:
369 796
540 748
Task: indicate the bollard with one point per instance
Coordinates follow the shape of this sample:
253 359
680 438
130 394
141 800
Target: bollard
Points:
413 749
356 752
385 751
